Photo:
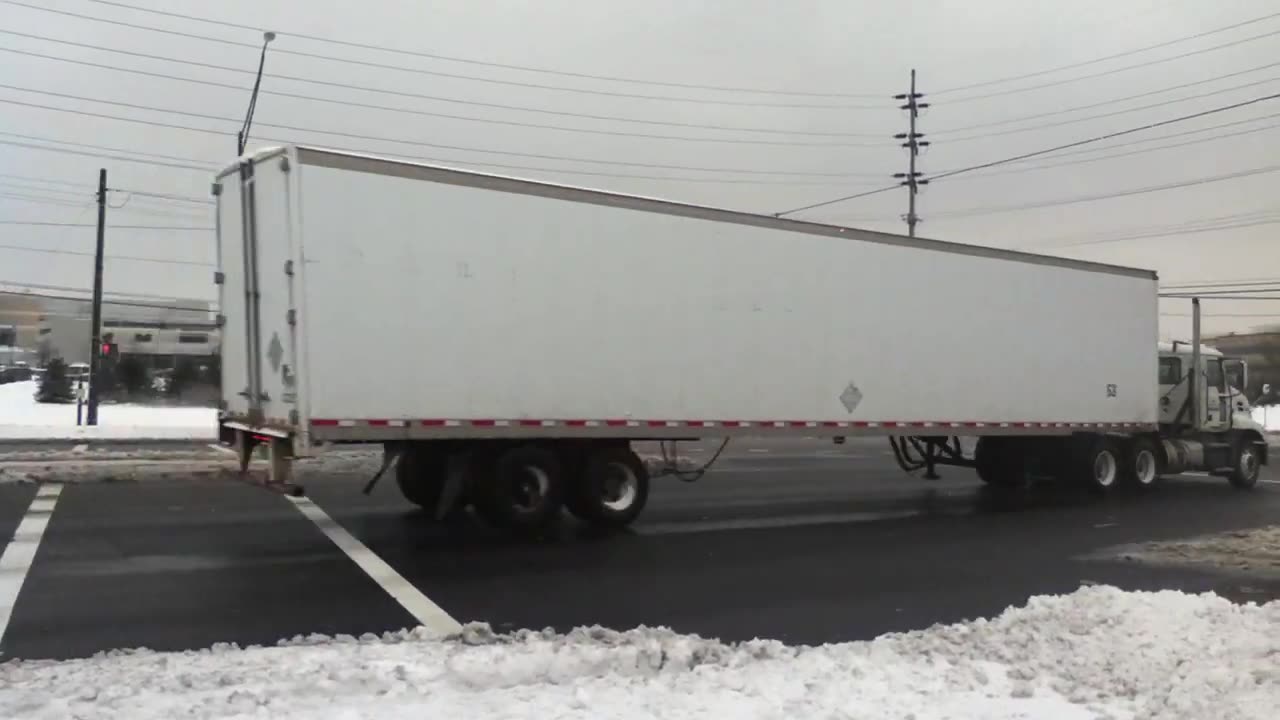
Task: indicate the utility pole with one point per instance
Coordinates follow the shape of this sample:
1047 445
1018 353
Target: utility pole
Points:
911 178
95 350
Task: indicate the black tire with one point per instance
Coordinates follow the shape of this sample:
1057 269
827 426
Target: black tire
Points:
611 489
1246 464
1143 464
1000 462
521 490
420 475
1097 464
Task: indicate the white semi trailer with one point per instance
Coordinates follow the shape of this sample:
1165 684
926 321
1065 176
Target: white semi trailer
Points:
506 341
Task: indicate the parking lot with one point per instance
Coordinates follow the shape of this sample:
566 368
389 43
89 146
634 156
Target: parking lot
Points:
802 541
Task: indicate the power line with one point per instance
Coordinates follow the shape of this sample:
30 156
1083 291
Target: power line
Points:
162 196
373 138
44 200
117 158
455 76
51 181
395 93
452 161
1105 73
487 63
974 212
1107 136
1221 283
70 288
1113 101
79 253
106 148
122 303
895 186
1168 136
1115 156
426 113
1114 113
1171 233
35 223
1056 148
1104 58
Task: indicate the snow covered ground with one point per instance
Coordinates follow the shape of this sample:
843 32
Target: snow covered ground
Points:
1097 653
1268 416
21 417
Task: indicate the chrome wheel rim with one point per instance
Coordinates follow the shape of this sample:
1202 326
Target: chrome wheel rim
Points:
1144 467
1248 462
1104 469
620 487
530 488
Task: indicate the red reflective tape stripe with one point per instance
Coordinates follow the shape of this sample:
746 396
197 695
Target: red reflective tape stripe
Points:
484 423
799 423
325 422
576 423
615 423
531 423
433 423
379 423
656 423
861 424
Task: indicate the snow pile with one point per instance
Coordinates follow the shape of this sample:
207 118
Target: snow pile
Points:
21 417
1098 653
1268 416
1254 551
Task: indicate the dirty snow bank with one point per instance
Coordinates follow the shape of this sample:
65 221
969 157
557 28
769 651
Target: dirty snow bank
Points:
22 418
1098 653
1254 551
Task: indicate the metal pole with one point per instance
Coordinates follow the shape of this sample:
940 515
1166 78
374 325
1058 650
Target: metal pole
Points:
1193 380
96 348
911 178
242 137
912 151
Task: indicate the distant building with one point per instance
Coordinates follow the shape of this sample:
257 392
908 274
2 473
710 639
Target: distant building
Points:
38 326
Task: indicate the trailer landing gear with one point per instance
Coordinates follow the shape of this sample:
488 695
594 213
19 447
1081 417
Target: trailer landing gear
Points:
279 461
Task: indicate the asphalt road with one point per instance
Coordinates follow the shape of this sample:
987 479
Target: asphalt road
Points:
802 541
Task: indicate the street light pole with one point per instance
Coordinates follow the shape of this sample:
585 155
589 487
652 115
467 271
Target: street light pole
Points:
242 137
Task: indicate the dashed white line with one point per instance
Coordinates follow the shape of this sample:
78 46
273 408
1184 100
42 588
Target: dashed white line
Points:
757 450
222 448
431 615
21 550
80 448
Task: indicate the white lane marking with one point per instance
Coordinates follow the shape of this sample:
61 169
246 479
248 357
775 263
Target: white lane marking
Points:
757 450
21 550
1197 474
700 526
431 615
80 448
222 448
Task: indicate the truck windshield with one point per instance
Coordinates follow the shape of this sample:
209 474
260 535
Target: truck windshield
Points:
1170 372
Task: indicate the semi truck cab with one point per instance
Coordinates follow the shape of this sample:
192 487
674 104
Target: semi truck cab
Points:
1221 382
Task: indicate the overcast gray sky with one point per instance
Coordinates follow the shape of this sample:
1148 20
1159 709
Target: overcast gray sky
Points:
851 54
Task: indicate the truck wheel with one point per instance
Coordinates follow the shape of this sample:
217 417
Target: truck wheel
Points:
1246 465
420 476
1098 464
611 490
1000 462
523 490
1142 464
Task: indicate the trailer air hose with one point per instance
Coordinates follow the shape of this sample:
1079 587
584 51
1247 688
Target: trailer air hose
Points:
671 463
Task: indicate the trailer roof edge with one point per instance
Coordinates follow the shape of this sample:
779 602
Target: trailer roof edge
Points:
317 156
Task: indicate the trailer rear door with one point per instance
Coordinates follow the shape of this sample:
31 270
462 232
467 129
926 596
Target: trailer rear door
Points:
257 259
